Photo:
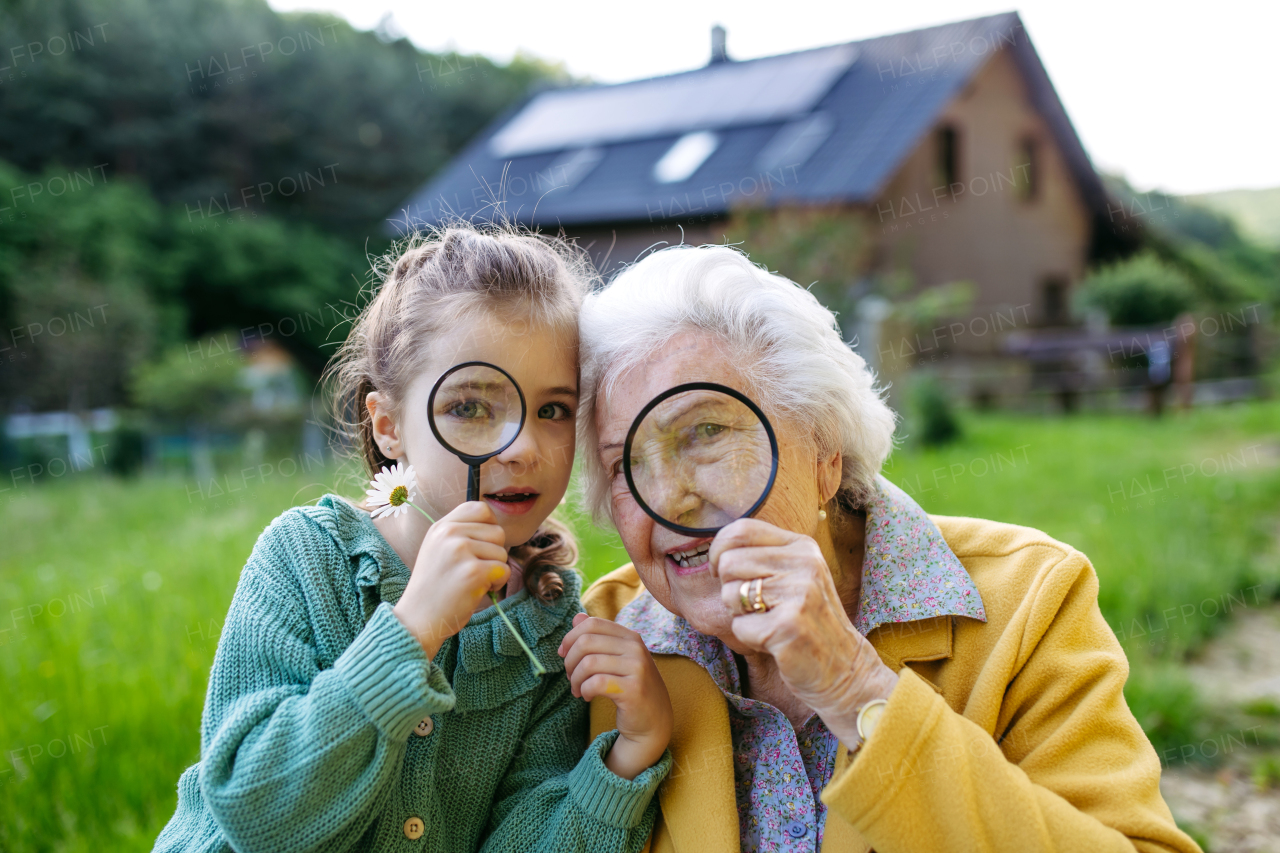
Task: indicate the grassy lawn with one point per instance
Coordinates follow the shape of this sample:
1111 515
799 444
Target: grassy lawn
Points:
1180 519
113 592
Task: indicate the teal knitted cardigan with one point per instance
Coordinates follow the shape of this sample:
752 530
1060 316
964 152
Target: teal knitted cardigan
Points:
308 736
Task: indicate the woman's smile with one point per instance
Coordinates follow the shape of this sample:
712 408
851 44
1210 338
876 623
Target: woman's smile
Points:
689 558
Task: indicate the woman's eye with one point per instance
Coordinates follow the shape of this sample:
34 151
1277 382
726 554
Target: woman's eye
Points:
615 469
554 411
708 431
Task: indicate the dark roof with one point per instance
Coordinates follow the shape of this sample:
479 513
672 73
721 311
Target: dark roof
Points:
823 125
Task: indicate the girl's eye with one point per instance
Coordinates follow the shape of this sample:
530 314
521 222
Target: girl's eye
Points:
554 411
469 409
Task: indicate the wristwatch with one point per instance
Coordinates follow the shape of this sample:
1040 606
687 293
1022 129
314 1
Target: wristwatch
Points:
868 718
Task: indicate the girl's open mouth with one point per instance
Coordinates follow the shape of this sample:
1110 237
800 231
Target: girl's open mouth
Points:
512 501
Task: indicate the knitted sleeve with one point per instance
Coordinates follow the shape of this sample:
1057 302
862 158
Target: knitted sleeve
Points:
295 757
556 798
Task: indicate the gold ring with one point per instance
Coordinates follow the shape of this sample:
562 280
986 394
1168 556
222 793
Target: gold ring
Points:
759 606
743 592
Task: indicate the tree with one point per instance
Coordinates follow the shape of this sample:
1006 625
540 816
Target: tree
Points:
226 103
96 280
78 275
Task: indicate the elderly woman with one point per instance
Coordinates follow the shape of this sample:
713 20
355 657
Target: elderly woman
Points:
907 682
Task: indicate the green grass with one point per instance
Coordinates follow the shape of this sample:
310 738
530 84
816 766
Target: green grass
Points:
112 592
1178 512
1179 517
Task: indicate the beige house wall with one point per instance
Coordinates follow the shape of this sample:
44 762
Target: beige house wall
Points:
983 231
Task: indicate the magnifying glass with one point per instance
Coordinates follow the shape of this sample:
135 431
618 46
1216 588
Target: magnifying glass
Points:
699 456
476 410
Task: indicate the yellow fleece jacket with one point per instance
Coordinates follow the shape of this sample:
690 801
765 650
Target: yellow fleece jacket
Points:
1009 736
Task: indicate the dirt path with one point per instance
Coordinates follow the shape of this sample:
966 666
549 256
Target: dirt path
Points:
1240 666
1233 814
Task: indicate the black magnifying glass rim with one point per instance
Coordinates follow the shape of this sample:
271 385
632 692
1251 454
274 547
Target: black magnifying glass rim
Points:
431 412
680 389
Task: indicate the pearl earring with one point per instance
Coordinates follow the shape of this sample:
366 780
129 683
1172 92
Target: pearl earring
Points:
822 515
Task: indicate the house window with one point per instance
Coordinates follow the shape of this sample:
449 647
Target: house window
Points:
1053 306
685 156
948 161
1026 169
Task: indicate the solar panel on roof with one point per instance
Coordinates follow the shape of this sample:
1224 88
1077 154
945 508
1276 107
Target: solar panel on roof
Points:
795 141
725 94
572 166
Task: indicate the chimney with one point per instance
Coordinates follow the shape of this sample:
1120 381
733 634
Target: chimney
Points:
718 53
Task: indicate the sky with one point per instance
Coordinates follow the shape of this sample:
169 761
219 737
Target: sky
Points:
1176 96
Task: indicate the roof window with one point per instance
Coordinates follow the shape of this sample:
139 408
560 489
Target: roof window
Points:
685 156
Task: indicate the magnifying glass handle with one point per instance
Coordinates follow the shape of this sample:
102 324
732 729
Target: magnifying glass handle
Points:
473 483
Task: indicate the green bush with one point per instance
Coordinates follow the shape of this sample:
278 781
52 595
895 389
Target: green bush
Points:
196 383
127 449
1139 291
936 421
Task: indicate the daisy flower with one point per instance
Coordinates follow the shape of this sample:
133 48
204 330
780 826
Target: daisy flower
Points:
393 491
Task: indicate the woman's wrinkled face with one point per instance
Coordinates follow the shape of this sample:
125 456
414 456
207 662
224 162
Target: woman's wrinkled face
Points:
680 582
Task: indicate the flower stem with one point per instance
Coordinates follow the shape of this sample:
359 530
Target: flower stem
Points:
538 668
421 510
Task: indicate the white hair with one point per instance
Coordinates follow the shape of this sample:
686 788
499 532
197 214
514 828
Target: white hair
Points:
785 342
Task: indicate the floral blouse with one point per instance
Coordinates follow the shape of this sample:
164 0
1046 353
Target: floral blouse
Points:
908 573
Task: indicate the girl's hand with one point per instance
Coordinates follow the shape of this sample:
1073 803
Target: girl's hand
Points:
602 658
820 655
462 558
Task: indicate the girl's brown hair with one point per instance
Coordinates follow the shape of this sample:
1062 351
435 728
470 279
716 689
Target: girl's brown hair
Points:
427 282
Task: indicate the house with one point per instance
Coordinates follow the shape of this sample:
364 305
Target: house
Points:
949 142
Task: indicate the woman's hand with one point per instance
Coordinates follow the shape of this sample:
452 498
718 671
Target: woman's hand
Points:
462 558
821 657
602 658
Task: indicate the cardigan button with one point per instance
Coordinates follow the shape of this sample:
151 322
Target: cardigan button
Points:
413 828
796 829
425 727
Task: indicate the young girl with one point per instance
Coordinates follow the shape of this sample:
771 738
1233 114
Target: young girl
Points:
366 694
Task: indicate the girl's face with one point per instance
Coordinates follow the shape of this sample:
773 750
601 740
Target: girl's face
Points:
525 482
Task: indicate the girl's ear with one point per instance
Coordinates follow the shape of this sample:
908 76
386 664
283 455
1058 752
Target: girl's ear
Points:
385 432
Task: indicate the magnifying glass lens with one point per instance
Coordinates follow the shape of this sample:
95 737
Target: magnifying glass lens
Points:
700 459
477 410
